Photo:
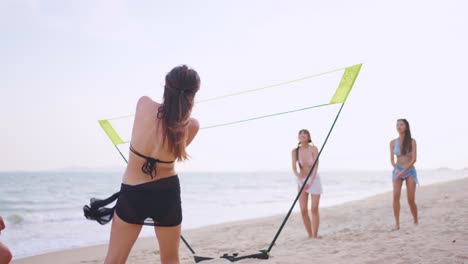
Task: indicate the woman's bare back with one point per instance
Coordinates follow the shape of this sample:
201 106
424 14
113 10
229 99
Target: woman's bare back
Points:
148 139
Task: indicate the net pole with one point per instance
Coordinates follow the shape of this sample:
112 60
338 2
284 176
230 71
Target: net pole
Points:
120 152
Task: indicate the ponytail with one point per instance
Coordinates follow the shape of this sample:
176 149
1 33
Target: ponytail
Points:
182 83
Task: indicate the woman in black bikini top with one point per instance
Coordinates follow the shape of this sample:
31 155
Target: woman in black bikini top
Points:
150 190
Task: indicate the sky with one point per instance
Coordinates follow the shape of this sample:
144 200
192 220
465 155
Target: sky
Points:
66 64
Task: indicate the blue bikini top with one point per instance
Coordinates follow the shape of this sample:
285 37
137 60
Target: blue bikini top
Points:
397 148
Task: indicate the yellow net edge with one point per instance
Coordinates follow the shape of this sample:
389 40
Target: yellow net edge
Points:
110 131
346 84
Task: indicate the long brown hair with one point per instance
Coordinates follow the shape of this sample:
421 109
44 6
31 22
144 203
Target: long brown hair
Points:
406 146
182 83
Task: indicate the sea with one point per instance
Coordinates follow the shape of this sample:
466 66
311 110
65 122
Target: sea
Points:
43 210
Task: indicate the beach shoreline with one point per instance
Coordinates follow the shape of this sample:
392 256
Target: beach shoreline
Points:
40 223
352 232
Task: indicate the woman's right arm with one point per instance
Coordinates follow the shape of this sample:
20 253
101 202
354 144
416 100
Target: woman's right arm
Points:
392 157
294 163
192 130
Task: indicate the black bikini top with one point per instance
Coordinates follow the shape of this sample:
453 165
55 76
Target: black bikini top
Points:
149 167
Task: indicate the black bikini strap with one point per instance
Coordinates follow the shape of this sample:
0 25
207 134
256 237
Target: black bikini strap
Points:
162 161
149 167
137 153
132 149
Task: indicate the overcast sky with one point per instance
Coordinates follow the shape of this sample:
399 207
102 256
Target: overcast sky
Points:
65 64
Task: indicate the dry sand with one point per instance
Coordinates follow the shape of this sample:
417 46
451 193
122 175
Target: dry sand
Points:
355 232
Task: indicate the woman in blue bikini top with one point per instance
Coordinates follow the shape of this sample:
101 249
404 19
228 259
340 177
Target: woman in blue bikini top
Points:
404 149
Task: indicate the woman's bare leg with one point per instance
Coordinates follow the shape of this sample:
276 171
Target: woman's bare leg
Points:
315 215
122 238
411 193
303 202
396 201
169 240
5 254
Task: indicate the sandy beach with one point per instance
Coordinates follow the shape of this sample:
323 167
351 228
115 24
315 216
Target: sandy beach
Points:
355 232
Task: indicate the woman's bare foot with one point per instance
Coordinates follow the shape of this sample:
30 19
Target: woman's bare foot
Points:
396 228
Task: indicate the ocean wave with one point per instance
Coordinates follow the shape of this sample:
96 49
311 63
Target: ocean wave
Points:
15 219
